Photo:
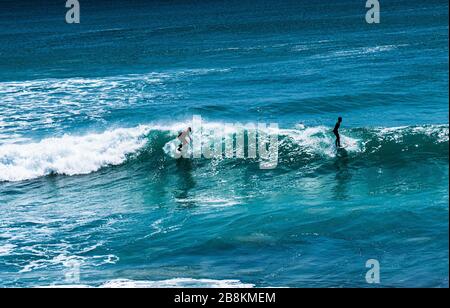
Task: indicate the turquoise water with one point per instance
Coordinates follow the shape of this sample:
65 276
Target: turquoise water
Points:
86 112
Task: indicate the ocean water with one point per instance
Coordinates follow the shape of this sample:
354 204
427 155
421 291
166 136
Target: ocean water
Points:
89 196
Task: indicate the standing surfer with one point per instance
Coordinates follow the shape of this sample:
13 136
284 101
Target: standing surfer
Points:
336 132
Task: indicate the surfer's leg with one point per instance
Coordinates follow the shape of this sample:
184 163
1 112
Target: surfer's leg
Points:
336 142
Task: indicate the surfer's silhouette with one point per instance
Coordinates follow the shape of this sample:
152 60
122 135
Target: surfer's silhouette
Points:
336 132
184 138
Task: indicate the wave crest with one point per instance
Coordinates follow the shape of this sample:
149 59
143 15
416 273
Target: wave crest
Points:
76 155
69 155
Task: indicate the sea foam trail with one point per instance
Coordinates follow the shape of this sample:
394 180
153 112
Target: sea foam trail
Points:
69 155
177 283
169 283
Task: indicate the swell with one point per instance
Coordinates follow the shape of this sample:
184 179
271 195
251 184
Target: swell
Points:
297 147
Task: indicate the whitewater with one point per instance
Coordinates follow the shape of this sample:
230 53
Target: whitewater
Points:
77 155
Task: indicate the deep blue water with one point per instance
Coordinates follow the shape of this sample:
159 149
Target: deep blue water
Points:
87 109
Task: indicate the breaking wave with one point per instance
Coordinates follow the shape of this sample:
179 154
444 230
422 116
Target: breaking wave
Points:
77 155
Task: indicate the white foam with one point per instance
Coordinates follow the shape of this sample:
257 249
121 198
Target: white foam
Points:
69 261
169 283
441 132
51 102
159 227
319 140
69 155
176 283
359 52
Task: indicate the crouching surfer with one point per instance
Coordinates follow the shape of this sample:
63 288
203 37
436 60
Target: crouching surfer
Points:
185 138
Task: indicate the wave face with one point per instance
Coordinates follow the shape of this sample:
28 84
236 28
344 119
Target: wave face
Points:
77 155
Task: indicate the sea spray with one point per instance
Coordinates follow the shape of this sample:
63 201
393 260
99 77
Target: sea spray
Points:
69 155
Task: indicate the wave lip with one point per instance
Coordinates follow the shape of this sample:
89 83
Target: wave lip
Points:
69 155
317 140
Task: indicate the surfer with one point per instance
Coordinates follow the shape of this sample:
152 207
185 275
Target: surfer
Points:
184 138
336 132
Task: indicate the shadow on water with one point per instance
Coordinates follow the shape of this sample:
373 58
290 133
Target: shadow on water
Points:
343 176
186 183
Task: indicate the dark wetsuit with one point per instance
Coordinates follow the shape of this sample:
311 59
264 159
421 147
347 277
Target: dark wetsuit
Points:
336 133
181 144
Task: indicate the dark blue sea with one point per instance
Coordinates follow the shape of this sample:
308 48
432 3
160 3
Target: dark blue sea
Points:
90 196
